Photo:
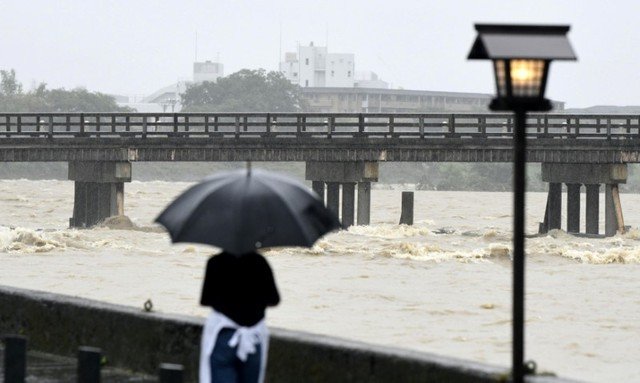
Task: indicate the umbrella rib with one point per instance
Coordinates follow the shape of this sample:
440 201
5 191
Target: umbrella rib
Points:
241 222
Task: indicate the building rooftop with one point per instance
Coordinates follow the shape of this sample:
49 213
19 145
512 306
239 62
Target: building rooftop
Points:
407 92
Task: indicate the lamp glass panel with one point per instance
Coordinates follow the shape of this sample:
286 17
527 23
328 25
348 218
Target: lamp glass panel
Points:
501 77
526 77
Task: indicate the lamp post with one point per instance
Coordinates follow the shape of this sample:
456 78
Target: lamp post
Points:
521 55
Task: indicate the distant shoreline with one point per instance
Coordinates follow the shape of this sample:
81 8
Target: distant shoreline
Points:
425 176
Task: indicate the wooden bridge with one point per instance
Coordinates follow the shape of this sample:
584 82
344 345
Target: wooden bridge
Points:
341 151
559 138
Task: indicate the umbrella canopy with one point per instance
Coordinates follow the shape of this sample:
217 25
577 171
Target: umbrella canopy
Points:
242 210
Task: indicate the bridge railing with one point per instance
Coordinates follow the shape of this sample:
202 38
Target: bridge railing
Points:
318 125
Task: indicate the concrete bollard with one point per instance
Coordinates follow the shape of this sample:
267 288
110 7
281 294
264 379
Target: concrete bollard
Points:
89 364
406 218
15 358
171 373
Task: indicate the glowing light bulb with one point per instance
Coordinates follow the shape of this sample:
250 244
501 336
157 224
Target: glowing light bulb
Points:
526 76
521 73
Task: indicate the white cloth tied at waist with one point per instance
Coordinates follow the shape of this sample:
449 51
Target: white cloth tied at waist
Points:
245 338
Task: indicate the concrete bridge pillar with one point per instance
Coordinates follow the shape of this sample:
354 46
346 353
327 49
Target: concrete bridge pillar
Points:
348 203
318 187
613 220
592 209
609 212
553 212
345 176
364 203
573 208
591 175
98 191
333 197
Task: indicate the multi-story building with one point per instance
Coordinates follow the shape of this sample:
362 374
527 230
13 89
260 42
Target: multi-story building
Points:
376 100
379 100
167 99
330 85
207 71
313 66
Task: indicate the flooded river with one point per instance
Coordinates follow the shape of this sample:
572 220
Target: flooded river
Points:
442 285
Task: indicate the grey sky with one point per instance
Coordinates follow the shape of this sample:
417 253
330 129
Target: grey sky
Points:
137 46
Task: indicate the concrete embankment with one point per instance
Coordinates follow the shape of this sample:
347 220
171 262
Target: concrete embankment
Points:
140 341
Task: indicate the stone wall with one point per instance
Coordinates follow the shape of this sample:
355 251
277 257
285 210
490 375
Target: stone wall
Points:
137 340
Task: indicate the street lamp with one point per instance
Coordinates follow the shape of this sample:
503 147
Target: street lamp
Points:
521 55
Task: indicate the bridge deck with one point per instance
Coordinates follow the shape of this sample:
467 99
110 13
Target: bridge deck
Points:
315 137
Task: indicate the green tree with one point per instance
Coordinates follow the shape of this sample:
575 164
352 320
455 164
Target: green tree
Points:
245 91
43 100
9 86
81 100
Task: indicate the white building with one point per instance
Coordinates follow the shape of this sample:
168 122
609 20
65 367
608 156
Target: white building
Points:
207 71
313 66
167 99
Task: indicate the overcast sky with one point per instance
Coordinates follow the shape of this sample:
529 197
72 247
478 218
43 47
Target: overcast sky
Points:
134 47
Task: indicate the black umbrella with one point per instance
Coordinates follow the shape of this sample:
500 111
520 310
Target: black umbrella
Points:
242 210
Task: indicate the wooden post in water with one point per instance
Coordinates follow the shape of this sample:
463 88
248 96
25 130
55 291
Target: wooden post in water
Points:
171 373
406 217
15 358
89 364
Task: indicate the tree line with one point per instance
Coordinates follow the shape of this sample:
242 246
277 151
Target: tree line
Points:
13 99
245 91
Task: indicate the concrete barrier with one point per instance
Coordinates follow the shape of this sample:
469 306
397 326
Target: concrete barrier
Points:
140 341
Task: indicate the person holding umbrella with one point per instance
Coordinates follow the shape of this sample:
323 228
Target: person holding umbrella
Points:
238 288
240 212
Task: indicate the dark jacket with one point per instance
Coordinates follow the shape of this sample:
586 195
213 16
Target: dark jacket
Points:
239 286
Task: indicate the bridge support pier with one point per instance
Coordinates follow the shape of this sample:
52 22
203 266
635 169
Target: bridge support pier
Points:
553 211
364 203
98 191
333 197
573 208
591 175
318 187
593 209
345 176
348 203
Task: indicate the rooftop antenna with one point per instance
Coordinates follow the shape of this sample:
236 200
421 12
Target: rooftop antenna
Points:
196 60
326 41
280 49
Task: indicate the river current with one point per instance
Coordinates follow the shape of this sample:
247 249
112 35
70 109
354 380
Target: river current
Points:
441 286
